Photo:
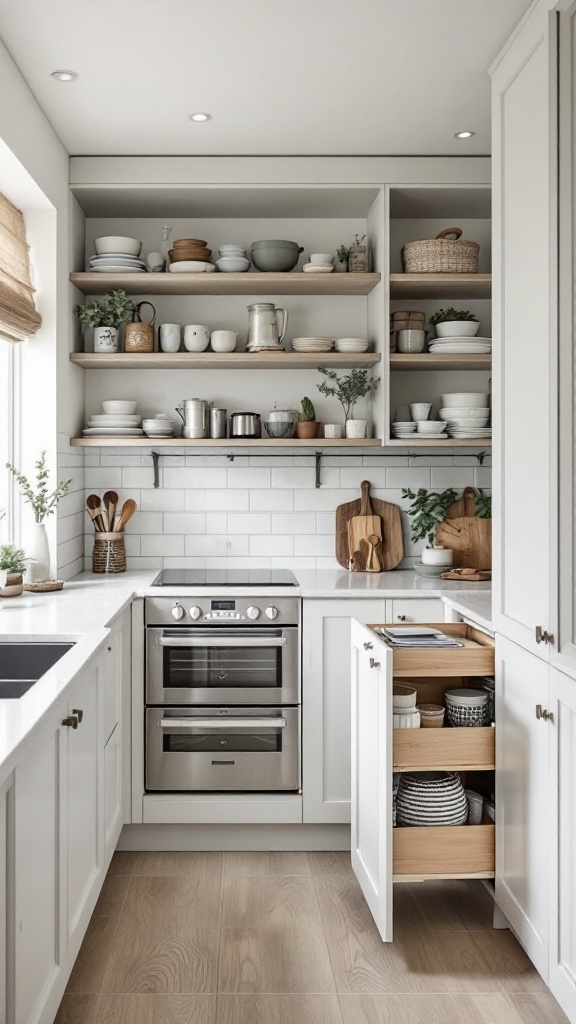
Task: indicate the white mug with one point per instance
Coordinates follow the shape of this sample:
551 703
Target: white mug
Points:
170 337
411 341
224 341
196 337
333 430
420 410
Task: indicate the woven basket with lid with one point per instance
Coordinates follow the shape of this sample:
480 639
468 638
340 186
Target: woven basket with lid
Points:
448 253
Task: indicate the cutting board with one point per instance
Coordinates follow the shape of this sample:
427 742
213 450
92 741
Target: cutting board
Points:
390 551
469 537
360 528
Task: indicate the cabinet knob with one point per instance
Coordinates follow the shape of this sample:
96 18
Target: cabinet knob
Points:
544 714
72 722
402 618
368 646
374 664
79 713
109 648
542 636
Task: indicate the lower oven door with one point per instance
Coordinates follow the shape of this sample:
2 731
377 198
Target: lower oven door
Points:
221 665
223 749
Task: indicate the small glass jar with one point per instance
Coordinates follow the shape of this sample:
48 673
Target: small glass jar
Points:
358 259
109 554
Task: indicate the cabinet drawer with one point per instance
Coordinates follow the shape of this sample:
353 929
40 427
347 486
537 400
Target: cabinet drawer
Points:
443 851
449 748
474 658
416 609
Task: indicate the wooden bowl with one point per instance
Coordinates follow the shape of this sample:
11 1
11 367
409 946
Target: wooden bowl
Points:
190 254
190 243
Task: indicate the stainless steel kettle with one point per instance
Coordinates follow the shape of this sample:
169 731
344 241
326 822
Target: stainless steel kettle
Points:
245 424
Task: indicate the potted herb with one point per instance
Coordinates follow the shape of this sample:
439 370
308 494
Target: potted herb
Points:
455 323
427 510
307 425
105 316
348 390
342 255
12 566
44 504
358 258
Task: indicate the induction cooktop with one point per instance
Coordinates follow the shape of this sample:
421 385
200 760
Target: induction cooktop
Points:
225 578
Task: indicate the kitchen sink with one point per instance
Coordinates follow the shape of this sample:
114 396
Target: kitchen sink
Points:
23 664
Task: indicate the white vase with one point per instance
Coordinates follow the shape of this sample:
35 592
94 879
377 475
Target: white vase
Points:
437 556
356 428
39 553
340 266
106 339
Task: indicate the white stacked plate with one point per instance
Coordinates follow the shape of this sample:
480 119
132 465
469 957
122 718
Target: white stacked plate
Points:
315 268
112 432
431 798
312 344
191 267
117 263
110 424
461 346
404 429
470 432
352 344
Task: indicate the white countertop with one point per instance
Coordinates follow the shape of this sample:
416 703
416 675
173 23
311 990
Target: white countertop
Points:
474 606
88 604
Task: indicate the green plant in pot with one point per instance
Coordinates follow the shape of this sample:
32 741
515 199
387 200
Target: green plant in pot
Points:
454 323
307 425
348 389
12 567
427 510
342 256
105 316
43 502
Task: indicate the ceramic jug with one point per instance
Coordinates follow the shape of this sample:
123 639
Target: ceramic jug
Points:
264 331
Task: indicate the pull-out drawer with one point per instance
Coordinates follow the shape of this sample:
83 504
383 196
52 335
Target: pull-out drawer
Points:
447 749
457 851
474 658
415 609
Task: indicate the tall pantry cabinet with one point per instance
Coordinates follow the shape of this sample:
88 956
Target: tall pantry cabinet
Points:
534 569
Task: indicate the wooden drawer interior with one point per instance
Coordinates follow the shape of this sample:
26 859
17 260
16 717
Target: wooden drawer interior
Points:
457 851
448 748
475 658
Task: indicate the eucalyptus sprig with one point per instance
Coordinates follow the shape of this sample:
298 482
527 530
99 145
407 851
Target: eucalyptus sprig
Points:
428 509
43 501
348 389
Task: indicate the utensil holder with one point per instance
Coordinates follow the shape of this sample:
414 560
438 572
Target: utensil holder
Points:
109 554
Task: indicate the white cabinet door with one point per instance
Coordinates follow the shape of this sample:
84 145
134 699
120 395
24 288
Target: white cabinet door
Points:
37 946
523 797
112 794
562 861
415 609
85 802
371 840
326 703
524 327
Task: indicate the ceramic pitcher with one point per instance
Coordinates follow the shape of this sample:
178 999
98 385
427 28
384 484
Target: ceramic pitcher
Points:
264 331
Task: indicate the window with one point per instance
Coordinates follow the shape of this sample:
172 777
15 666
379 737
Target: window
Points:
9 417
19 318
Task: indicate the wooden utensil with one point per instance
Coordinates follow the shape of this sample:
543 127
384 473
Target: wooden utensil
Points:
469 537
95 511
360 527
468 574
372 563
391 549
128 510
110 500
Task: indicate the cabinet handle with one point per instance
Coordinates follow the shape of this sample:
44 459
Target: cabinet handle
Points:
374 664
79 713
544 714
368 646
402 618
72 722
109 648
542 636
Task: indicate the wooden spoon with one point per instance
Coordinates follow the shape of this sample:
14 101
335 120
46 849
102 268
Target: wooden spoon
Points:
110 502
95 511
373 540
128 510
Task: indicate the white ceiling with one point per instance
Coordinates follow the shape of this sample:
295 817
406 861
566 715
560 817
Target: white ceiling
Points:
321 77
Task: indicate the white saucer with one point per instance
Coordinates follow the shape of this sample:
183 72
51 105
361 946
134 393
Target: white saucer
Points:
114 268
191 267
112 432
311 268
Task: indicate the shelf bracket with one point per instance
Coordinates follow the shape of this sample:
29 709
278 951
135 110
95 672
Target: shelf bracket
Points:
230 456
156 464
481 456
318 459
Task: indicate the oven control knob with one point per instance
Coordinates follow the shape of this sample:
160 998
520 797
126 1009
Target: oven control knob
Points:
178 612
252 612
195 612
271 612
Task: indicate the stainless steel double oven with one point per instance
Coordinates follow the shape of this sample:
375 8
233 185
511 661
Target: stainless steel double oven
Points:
223 694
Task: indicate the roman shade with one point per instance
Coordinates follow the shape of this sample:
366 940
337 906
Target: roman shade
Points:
19 318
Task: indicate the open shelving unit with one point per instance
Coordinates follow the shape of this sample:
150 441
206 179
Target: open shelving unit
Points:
438 286
221 360
292 283
437 361
223 442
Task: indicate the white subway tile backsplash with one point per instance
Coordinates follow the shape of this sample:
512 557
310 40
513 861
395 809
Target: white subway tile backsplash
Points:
251 522
249 476
318 545
162 544
294 476
293 523
272 545
183 522
224 500
325 522
398 476
159 500
196 545
483 477
147 522
321 500
271 501
454 476
136 476
194 477
103 477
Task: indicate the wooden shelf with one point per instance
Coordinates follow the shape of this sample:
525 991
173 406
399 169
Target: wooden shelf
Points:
229 442
438 286
447 749
437 361
430 442
444 851
221 360
293 283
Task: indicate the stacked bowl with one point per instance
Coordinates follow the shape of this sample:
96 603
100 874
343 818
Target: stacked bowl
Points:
189 255
352 345
233 259
312 344
159 425
431 798
117 419
466 415
320 263
467 708
405 712
117 254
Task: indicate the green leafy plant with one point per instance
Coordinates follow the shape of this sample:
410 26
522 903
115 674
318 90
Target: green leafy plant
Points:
12 559
308 413
484 505
348 389
343 252
111 311
442 316
43 501
427 510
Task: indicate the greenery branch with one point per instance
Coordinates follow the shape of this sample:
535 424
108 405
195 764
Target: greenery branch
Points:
113 309
427 510
42 500
347 389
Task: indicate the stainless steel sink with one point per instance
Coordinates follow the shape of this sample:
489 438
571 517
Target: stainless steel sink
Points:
23 664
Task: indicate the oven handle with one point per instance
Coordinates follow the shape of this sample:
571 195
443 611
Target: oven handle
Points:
225 641
202 724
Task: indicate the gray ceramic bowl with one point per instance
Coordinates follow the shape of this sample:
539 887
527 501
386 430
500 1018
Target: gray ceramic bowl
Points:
275 255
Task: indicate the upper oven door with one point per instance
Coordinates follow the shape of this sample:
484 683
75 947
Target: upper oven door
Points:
222 665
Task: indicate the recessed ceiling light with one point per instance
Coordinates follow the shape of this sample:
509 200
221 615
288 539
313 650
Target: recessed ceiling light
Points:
464 135
64 76
200 117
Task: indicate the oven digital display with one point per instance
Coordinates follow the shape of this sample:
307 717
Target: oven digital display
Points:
223 606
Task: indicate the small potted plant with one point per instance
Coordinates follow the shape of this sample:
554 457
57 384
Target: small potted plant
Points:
348 389
105 316
44 504
12 566
307 425
342 256
358 257
455 323
427 510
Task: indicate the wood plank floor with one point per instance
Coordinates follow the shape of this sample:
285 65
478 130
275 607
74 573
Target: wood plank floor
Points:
286 938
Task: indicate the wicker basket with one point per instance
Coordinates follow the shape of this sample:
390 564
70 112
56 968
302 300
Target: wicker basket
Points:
109 554
441 255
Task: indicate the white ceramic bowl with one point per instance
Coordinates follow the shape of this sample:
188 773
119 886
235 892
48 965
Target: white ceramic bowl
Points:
118 244
321 259
233 264
403 695
458 329
452 415
404 425
465 399
429 427
223 341
120 407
